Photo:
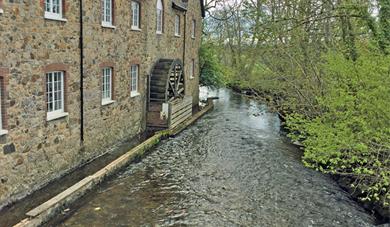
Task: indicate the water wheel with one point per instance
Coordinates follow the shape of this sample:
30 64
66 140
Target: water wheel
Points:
167 81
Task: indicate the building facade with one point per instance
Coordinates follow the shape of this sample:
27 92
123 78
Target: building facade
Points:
74 79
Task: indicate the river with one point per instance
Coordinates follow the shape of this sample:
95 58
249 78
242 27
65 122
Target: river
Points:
231 168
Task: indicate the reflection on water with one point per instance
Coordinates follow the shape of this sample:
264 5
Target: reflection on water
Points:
231 168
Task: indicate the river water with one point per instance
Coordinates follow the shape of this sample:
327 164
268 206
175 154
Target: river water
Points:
231 168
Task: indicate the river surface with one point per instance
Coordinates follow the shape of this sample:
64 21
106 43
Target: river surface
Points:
231 168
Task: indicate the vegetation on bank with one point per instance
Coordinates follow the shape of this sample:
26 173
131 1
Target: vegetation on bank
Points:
328 63
212 72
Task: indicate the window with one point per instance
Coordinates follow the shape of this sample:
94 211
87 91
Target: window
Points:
3 99
192 72
2 107
107 86
193 30
53 9
1 7
107 13
160 17
134 80
177 25
55 95
136 15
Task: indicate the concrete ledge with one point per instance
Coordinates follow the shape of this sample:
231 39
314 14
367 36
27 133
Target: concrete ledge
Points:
50 208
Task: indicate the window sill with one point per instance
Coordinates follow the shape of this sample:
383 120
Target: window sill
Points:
137 29
159 33
108 26
193 37
191 77
48 17
55 116
134 94
3 132
177 36
107 102
1 11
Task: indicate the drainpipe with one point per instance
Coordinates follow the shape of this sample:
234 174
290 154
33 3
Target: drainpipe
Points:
184 40
81 46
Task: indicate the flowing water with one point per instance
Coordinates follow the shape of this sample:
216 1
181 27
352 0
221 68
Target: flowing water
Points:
231 168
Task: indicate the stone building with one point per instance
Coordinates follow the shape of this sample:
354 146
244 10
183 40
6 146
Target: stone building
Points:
72 86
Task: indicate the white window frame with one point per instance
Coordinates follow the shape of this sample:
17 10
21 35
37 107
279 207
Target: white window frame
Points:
136 15
192 73
134 78
159 17
50 12
107 14
193 30
56 81
177 25
107 85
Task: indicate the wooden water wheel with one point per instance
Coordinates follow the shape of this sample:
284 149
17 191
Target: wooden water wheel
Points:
167 81
168 105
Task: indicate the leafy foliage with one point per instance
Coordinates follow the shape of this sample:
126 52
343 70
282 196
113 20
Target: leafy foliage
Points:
211 70
351 136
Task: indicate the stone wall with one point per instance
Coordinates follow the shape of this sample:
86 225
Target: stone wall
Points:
35 151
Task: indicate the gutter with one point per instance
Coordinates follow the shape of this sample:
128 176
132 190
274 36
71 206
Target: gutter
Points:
203 9
81 46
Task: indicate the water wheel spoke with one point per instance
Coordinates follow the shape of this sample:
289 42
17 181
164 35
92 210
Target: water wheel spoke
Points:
178 81
172 86
180 92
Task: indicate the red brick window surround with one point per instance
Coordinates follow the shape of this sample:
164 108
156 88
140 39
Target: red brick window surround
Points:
108 13
56 87
107 83
54 9
4 100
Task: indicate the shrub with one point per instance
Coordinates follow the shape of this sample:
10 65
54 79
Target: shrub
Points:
351 136
211 70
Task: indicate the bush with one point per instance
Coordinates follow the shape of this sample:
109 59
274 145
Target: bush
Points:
351 136
211 70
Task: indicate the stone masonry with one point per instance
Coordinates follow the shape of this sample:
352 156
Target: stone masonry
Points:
35 151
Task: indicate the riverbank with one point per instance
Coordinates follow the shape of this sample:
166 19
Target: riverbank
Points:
45 211
275 102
